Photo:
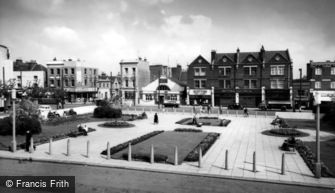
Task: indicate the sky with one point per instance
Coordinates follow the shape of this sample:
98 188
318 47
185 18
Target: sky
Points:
169 32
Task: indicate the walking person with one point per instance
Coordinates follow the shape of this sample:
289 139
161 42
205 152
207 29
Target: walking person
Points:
246 114
220 110
155 118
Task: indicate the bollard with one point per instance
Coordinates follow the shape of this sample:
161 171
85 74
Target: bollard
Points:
50 146
254 162
88 149
68 148
108 151
152 154
129 152
200 157
226 160
31 147
175 155
283 164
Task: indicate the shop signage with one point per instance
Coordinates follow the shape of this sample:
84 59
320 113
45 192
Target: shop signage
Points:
325 95
200 92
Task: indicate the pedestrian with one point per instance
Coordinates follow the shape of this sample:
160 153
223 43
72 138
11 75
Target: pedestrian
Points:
220 109
246 114
28 139
156 119
195 122
194 110
209 109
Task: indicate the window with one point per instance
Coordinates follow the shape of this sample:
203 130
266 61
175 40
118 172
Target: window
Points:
332 85
224 84
72 70
85 71
134 71
18 77
199 83
318 71
129 95
277 69
51 71
35 77
173 97
58 83
85 82
126 70
250 84
250 70
66 82
253 83
72 82
225 71
301 92
52 82
317 84
19 85
199 71
127 83
148 97
332 71
58 71
65 71
277 84
94 71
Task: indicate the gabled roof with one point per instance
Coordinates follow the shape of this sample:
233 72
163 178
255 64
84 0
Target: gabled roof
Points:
199 58
172 84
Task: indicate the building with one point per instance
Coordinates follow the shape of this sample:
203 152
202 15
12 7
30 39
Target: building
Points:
74 77
322 79
164 91
29 74
135 74
301 93
116 86
246 78
159 70
7 80
104 85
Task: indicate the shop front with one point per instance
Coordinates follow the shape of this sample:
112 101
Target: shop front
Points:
201 96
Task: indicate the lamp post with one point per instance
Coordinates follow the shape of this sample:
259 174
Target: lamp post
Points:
300 91
14 116
317 101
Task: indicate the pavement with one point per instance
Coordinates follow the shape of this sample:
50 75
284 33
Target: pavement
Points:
242 137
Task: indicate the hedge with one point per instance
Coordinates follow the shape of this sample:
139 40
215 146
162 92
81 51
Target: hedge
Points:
117 124
107 112
23 123
158 158
188 130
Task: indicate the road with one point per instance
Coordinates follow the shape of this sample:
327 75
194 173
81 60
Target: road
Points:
102 179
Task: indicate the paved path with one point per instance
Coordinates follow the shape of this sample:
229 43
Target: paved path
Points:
242 137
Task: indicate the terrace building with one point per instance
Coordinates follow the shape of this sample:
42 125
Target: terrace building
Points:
104 85
74 77
29 74
246 78
159 70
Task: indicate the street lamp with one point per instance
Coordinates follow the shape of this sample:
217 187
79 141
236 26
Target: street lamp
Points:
14 116
300 91
317 100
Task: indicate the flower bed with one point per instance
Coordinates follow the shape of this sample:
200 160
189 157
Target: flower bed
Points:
124 145
158 158
210 121
285 132
117 124
309 158
132 117
188 130
205 144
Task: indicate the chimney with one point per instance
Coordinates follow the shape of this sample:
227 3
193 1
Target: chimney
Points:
111 74
213 56
237 56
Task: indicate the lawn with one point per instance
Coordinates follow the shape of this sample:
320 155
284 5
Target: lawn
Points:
327 153
309 124
50 130
165 143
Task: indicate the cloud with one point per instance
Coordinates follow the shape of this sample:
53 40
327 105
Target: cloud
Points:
63 35
123 6
154 2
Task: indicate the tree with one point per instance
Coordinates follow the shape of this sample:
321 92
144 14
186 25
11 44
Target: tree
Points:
28 108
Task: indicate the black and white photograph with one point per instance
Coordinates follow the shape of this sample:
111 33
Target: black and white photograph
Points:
167 96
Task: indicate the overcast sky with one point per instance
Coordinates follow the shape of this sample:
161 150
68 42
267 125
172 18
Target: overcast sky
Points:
102 32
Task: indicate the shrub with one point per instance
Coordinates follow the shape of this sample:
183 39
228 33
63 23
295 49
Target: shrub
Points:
188 130
224 122
23 123
144 116
135 141
107 112
285 132
158 158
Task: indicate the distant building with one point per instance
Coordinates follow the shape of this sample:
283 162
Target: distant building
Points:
76 78
246 78
116 86
163 90
29 74
302 96
322 79
159 70
135 74
104 86
6 67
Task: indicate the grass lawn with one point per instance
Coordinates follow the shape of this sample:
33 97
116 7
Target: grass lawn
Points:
327 153
50 130
165 143
309 124
212 121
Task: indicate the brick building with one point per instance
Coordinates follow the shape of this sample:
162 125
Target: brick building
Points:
246 78
301 93
322 78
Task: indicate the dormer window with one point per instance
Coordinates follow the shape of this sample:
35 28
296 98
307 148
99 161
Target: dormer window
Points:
250 59
277 58
199 61
224 60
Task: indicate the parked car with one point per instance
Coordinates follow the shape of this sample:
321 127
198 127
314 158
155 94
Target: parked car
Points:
43 108
235 106
53 114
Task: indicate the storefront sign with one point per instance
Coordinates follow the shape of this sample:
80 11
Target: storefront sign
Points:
200 92
325 95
